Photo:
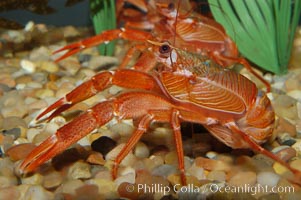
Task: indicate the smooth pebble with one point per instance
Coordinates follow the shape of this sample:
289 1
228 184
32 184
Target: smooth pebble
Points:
79 170
28 66
243 178
52 180
141 150
267 178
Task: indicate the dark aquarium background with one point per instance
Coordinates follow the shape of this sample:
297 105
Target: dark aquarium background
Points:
77 14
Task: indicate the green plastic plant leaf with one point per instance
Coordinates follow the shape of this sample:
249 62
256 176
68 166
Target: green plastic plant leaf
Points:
262 29
104 18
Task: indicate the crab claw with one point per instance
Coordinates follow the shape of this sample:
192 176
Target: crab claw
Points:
67 135
82 92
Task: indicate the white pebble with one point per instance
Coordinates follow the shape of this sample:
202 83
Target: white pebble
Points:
267 178
51 128
35 179
79 170
141 150
270 96
211 154
122 129
29 26
31 133
28 66
197 172
84 141
128 177
20 86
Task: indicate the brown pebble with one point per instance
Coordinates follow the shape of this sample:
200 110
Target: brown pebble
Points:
209 164
52 180
200 148
285 126
217 176
96 158
296 164
1 138
20 151
128 190
106 187
104 175
88 191
243 178
145 177
13 122
285 153
10 192
24 79
171 158
7 79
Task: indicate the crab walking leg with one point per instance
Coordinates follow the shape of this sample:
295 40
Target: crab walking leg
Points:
124 78
258 148
170 114
145 62
142 127
175 124
104 37
158 116
219 58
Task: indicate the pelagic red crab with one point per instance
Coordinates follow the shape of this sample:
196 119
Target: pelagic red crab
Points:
167 84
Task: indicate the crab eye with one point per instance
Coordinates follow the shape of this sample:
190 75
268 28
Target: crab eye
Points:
171 6
164 49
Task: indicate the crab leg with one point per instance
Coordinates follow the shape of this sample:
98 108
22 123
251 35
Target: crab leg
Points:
175 124
142 127
124 78
258 148
104 37
132 105
219 58
125 106
145 62
67 135
171 115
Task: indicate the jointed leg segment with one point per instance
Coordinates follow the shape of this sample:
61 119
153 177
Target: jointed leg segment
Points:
104 37
124 78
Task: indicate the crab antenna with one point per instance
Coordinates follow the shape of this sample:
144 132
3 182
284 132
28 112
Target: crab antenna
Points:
175 27
176 20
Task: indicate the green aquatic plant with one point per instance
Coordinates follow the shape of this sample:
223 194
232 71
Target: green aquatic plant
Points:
262 29
103 18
